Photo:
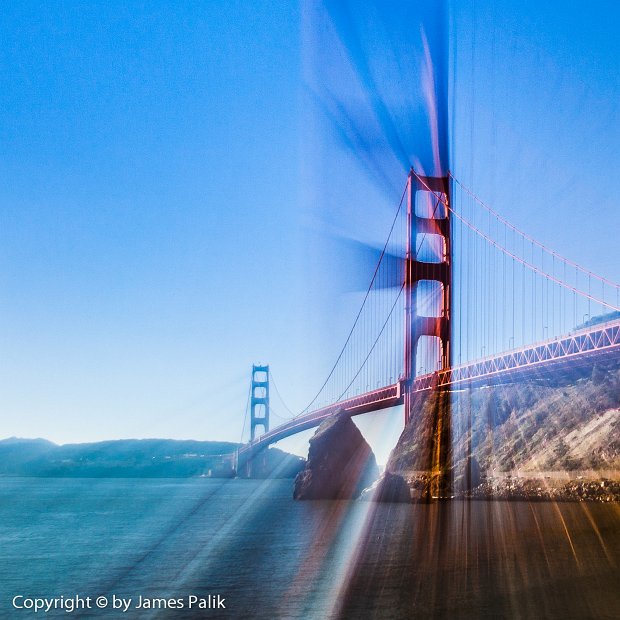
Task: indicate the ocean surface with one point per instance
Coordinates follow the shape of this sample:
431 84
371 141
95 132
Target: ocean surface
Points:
267 556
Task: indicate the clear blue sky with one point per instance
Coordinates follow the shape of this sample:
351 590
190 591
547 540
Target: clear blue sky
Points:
167 170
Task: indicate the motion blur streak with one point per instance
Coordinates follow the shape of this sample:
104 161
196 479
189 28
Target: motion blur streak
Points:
388 110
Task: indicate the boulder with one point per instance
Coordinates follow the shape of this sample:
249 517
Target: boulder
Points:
340 462
390 488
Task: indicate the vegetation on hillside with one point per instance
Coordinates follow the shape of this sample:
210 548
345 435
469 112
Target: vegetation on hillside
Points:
128 458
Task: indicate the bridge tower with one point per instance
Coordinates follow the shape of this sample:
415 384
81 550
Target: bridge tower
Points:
259 399
436 192
428 220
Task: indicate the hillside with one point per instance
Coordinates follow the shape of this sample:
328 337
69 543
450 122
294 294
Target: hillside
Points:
142 458
556 423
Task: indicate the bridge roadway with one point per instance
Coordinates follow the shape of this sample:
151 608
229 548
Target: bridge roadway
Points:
577 348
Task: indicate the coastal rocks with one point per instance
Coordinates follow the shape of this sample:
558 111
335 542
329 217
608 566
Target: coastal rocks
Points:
340 462
537 489
389 488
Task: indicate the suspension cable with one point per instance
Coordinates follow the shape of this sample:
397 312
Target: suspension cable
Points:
331 372
523 261
245 415
279 395
531 239
374 344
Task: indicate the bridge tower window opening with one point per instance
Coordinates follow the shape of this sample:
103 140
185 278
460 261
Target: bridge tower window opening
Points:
431 205
430 298
260 373
428 355
430 247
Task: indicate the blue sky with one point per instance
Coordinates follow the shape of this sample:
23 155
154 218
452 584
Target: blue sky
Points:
149 176
167 171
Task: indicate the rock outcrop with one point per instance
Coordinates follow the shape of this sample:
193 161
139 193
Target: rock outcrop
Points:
560 421
546 489
389 488
340 462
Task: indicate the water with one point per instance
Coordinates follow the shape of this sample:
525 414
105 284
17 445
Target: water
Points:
271 557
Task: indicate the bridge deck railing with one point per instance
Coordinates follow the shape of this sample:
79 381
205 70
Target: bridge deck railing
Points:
580 344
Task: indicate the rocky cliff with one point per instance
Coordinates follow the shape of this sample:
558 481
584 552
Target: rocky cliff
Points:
340 462
557 423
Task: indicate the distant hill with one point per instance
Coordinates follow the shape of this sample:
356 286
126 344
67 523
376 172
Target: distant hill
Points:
599 320
127 458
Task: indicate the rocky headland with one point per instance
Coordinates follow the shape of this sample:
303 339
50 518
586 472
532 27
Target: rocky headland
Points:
556 437
340 462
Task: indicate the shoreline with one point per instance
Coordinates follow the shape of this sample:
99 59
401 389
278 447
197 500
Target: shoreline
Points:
505 487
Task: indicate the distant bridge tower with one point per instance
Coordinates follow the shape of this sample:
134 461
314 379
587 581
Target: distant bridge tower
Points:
428 218
259 399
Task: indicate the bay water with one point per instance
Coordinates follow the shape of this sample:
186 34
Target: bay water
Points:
208 548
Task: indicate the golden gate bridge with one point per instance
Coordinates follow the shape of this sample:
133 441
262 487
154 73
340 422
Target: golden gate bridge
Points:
459 297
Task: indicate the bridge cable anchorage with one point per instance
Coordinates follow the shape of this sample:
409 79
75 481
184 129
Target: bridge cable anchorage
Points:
355 322
523 261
